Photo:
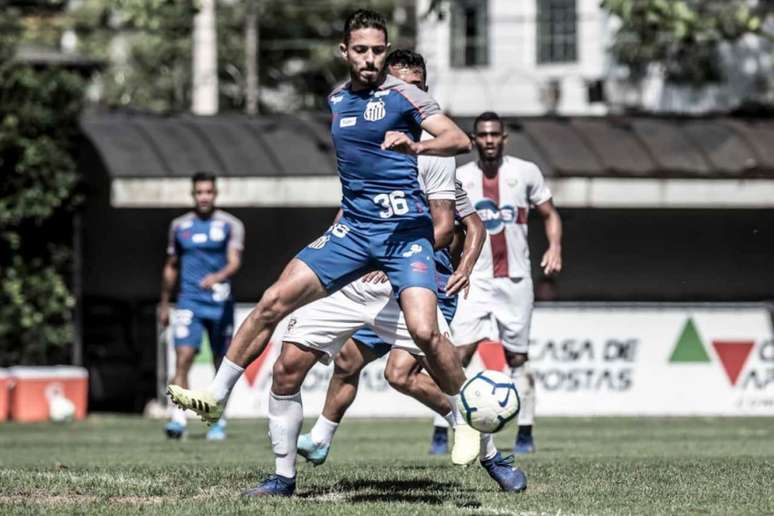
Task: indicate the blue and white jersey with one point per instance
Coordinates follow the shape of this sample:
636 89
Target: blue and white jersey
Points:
201 246
380 187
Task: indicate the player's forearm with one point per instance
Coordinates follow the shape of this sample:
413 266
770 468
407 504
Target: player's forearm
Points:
447 143
553 225
168 281
442 213
229 270
475 235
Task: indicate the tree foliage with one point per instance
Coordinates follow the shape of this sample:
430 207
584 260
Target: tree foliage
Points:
38 130
683 36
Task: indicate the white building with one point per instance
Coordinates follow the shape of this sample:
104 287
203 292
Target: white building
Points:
532 57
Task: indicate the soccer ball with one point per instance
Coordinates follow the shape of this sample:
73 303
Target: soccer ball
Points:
488 401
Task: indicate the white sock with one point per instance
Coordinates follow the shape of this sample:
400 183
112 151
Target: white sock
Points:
178 416
456 417
225 378
488 448
286 415
443 421
323 430
525 385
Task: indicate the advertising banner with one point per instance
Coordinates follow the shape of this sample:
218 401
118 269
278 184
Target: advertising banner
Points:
593 360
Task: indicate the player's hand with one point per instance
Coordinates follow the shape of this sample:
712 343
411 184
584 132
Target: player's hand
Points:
458 282
375 277
400 142
209 280
552 261
164 315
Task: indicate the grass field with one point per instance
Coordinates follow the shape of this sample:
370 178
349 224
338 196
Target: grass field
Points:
112 464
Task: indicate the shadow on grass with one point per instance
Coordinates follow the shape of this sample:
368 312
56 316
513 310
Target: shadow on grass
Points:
422 491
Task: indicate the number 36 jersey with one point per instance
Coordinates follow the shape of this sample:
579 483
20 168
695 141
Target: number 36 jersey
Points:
380 188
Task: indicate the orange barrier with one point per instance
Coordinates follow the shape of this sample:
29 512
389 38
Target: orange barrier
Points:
5 385
38 393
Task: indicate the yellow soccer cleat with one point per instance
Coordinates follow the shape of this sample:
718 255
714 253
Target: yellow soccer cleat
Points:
467 443
201 402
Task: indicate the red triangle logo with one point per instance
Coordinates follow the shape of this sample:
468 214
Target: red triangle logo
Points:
492 355
733 355
251 372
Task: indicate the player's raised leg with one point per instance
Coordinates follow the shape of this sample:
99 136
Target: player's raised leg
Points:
286 416
297 285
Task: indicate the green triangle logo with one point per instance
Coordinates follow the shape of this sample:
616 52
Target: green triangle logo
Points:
689 347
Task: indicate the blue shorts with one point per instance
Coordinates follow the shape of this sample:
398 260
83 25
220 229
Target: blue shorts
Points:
191 321
343 254
367 338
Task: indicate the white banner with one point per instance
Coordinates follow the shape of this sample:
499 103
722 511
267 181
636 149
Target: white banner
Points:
673 360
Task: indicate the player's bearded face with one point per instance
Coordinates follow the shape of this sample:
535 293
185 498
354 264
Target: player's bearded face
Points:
204 193
365 54
490 139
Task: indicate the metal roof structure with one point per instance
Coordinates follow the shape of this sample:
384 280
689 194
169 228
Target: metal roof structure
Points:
288 160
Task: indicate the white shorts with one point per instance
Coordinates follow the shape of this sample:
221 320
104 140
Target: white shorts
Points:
326 324
496 309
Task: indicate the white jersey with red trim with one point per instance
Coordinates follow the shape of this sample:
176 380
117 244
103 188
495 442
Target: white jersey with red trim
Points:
503 204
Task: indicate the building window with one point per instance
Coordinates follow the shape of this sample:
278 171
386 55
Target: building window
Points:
469 37
557 31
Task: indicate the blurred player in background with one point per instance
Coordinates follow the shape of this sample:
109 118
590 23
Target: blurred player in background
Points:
204 250
499 306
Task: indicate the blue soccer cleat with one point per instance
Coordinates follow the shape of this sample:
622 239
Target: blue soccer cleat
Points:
524 444
312 451
275 485
217 432
174 430
508 478
440 443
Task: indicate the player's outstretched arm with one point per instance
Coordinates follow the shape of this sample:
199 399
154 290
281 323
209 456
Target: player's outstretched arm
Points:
475 235
552 259
449 139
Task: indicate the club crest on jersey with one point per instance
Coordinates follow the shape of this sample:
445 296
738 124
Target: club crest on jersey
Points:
495 217
375 110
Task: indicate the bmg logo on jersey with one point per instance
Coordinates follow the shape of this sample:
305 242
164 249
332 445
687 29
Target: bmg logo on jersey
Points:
375 110
496 217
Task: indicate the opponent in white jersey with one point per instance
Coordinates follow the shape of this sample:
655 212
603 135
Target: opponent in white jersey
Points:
499 306
319 330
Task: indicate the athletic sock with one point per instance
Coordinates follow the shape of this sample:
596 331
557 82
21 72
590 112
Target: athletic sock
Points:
286 415
221 422
525 385
488 448
525 431
323 430
442 421
225 378
179 417
456 417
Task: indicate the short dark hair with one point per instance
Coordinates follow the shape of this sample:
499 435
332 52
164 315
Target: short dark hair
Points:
488 116
202 176
407 59
364 19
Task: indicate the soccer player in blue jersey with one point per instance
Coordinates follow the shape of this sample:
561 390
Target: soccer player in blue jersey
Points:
204 251
386 225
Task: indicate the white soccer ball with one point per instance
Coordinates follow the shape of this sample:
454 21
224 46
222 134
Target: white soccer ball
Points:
488 401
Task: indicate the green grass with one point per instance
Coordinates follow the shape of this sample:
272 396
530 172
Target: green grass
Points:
110 465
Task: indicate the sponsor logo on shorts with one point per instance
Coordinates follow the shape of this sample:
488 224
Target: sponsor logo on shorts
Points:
419 267
415 249
348 121
320 242
375 110
291 324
